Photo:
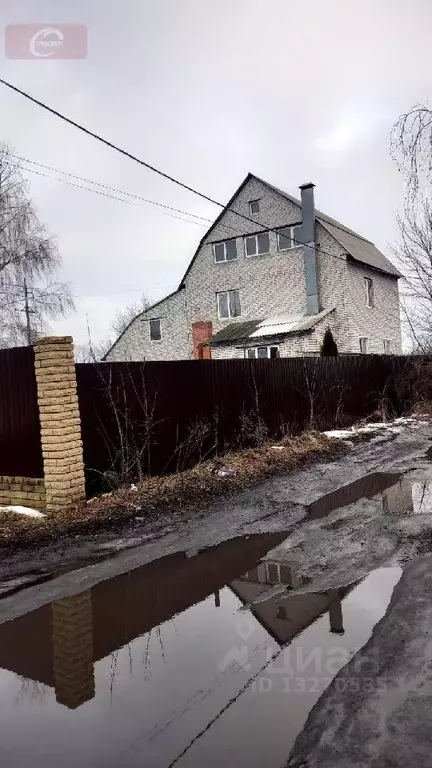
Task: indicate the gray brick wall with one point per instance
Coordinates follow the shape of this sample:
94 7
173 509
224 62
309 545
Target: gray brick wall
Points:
269 284
175 344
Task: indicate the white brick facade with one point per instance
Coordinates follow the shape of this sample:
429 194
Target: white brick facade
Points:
270 284
175 343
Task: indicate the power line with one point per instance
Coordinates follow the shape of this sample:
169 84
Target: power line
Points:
105 194
107 186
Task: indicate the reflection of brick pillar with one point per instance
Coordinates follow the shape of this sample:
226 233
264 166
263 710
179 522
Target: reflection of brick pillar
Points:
335 612
60 422
72 627
201 332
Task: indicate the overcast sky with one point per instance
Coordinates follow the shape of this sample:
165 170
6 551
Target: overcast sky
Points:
207 90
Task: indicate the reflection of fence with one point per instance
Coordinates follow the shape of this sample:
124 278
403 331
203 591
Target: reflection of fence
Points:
169 414
20 443
71 634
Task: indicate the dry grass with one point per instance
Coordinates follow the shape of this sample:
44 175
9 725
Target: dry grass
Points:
172 493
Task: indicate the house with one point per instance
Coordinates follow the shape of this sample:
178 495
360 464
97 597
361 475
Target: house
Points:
267 279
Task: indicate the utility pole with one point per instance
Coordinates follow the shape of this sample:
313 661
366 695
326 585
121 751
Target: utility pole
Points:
27 314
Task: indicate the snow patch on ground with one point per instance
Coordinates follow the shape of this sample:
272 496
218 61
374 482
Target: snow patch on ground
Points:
23 511
393 427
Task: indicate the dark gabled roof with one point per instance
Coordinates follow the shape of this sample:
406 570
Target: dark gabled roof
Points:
140 314
357 247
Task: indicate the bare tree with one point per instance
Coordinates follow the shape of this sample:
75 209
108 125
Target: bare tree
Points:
414 253
91 351
29 259
124 317
411 146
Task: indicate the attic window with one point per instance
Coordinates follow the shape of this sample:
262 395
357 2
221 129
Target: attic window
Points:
155 330
254 206
287 238
226 251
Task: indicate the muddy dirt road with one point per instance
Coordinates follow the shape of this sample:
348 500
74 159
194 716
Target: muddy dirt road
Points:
240 634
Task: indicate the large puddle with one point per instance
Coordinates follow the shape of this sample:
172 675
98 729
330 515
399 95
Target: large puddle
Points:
188 661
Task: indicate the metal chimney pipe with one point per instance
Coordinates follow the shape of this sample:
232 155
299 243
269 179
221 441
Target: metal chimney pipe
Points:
309 251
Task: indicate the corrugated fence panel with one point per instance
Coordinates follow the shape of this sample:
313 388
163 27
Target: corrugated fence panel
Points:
165 416
20 444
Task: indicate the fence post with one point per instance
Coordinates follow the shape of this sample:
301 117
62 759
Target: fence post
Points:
62 450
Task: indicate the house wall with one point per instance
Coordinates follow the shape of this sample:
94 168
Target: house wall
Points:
176 341
382 321
269 285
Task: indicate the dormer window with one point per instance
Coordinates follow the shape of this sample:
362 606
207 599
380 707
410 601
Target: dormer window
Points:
254 206
226 251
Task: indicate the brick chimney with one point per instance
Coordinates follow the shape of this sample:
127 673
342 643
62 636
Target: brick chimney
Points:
307 237
201 334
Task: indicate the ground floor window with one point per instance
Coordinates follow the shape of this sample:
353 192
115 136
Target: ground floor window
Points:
363 345
155 330
263 352
387 346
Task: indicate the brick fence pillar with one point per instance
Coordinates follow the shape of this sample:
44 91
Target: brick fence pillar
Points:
60 422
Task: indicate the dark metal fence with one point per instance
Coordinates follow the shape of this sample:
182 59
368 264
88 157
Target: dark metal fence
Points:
20 443
157 417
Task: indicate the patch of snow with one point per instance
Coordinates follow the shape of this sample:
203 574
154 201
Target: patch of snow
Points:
24 511
394 427
342 434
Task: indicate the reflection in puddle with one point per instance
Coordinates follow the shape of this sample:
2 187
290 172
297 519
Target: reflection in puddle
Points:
398 496
364 487
164 665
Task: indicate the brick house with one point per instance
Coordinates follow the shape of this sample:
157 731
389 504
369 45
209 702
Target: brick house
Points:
267 279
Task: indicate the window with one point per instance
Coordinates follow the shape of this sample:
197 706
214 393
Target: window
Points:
387 346
228 303
254 206
155 330
257 244
369 292
287 238
263 352
226 251
363 345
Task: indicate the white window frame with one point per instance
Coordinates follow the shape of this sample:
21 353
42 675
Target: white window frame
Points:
260 346
263 253
293 243
218 295
155 320
366 339
369 292
387 342
224 243
251 202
